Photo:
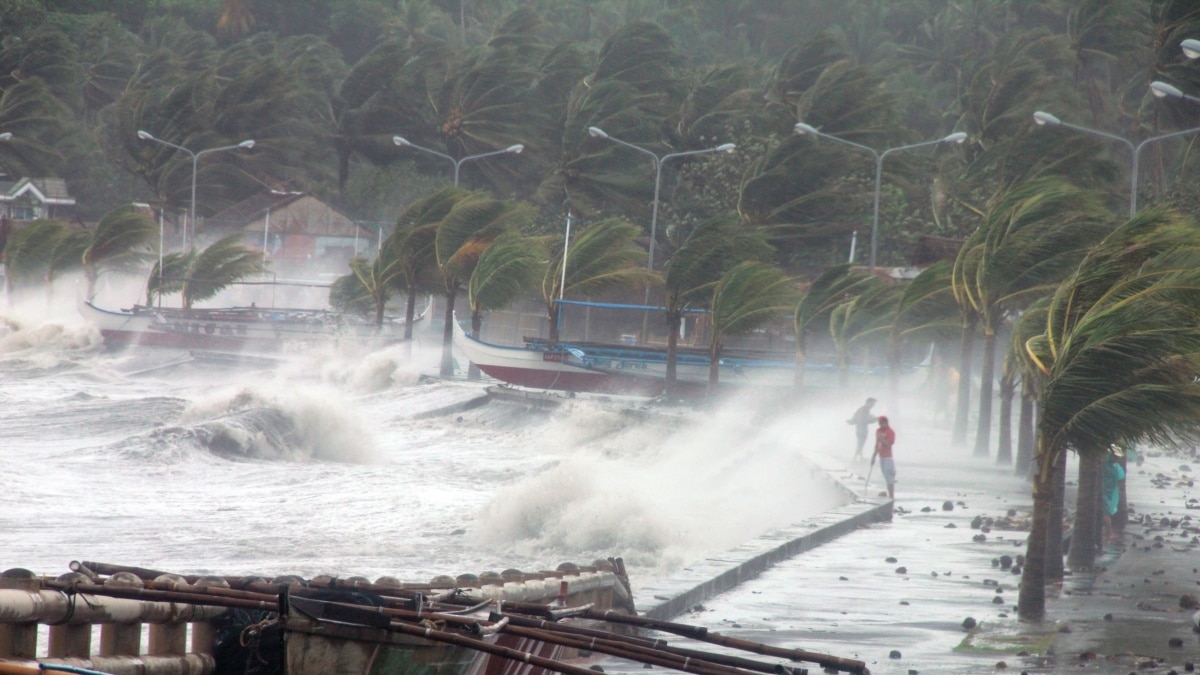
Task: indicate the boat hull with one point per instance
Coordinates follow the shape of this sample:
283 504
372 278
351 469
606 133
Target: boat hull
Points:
233 329
623 369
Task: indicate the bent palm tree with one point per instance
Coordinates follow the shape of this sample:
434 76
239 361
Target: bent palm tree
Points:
603 257
463 235
1120 353
835 286
28 254
744 298
223 263
120 243
509 267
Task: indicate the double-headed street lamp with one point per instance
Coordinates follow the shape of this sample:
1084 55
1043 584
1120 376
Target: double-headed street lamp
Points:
805 129
510 150
145 136
1045 118
597 132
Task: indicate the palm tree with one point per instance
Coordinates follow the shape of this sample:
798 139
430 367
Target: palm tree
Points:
926 313
509 267
28 254
602 257
223 263
863 321
413 242
462 236
1120 351
1029 240
711 249
121 243
749 295
833 287
167 276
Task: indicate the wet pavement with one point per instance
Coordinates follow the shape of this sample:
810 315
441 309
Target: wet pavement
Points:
934 590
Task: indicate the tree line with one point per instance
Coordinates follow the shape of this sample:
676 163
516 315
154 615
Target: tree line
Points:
1089 315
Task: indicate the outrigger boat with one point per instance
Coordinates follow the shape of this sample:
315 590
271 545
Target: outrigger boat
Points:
234 329
491 624
641 371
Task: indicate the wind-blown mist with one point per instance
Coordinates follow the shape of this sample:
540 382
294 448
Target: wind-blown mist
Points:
335 462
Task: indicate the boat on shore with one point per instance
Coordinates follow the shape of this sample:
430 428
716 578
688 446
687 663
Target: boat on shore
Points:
508 623
232 329
641 370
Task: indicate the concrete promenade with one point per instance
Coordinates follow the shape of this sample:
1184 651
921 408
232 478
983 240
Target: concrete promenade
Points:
898 594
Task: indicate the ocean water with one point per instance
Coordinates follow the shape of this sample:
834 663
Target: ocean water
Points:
328 462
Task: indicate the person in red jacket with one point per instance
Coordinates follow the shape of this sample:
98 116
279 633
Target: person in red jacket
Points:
885 438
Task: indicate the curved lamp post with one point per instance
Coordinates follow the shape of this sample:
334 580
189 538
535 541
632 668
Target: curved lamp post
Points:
405 143
805 129
1045 118
597 132
145 136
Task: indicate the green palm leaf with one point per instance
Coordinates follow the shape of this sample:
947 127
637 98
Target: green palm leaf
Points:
218 266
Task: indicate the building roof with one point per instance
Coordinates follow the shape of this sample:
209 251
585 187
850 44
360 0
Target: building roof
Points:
251 210
45 190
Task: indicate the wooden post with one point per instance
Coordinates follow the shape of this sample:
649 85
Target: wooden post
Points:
19 640
71 640
204 633
121 639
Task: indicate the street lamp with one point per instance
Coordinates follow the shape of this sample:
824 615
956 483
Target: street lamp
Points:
5 136
1163 90
805 129
597 132
405 143
1045 118
1191 48
145 136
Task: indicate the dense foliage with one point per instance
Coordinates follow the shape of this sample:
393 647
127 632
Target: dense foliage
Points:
322 86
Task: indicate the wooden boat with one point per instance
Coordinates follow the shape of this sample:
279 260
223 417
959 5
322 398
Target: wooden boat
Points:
491 624
233 329
641 371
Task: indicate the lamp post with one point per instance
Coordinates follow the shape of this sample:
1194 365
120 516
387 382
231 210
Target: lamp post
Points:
405 143
805 129
146 136
267 223
597 132
1045 118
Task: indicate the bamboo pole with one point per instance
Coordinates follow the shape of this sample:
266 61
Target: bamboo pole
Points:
700 633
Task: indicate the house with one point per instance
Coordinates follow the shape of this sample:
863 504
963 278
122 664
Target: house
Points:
301 236
34 198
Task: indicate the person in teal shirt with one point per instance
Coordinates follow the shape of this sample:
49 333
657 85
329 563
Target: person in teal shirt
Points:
1111 476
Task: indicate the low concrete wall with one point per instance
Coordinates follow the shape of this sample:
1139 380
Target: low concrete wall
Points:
712 576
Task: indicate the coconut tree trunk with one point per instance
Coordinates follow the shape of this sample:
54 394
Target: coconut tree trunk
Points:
1031 603
798 375
1008 386
552 315
963 409
477 331
1054 526
410 315
714 367
447 367
1084 540
1024 463
671 383
1121 517
987 390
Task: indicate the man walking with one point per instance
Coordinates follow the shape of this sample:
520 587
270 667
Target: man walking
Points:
885 438
861 420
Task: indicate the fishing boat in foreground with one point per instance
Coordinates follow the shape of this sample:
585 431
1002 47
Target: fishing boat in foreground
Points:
507 623
641 371
234 328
